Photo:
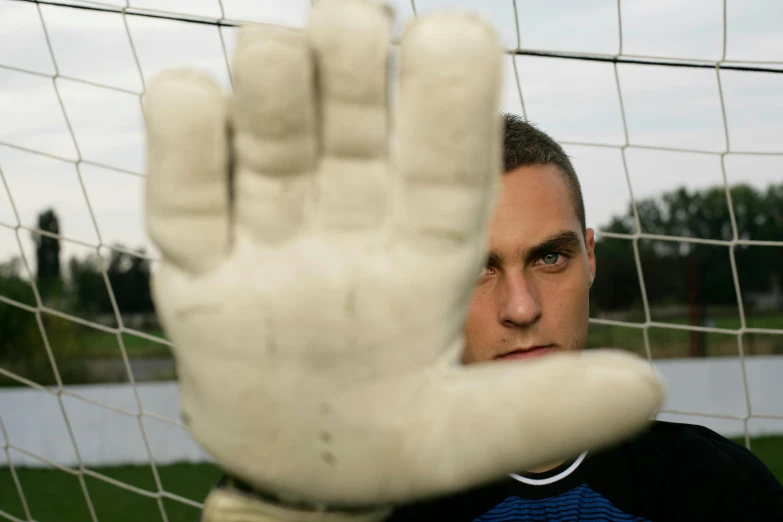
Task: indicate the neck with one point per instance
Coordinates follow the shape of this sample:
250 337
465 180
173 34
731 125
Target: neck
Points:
545 467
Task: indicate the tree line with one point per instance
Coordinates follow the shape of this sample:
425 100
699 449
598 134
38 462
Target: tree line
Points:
85 290
674 272
678 272
81 292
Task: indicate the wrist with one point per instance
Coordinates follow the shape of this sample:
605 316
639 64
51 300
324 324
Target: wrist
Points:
234 501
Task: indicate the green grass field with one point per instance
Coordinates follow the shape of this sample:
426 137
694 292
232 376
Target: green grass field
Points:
101 345
770 451
55 496
668 342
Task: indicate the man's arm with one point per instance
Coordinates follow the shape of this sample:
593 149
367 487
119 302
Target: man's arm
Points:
722 480
751 491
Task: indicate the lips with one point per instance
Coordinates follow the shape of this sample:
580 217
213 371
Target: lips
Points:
527 353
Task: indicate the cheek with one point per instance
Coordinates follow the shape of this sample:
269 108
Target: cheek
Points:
481 304
566 309
477 324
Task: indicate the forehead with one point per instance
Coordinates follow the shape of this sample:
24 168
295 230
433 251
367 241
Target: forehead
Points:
534 203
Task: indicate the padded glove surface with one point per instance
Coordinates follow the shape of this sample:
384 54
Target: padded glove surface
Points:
315 278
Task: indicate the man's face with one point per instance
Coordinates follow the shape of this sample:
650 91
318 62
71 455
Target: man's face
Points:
532 297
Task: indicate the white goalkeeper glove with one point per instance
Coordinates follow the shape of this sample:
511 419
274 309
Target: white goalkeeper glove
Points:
315 279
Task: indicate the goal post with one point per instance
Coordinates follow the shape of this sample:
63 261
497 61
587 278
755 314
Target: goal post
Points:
676 140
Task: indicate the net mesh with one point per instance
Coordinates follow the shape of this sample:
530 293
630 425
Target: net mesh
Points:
216 22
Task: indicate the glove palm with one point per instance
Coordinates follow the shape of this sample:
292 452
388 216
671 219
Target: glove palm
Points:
315 280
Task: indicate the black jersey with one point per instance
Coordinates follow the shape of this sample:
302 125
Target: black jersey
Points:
671 472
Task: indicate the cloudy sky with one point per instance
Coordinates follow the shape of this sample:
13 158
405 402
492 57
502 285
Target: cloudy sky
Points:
575 101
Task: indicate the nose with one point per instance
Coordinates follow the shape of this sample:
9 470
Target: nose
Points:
519 305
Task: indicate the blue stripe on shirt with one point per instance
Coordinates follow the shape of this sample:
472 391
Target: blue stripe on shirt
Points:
579 504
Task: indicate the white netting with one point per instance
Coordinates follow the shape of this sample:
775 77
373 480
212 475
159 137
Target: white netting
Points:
72 75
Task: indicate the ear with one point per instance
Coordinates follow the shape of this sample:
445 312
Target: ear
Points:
590 245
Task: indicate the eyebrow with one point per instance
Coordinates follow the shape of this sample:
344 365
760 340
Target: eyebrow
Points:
566 240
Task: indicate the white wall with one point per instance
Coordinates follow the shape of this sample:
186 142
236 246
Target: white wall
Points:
34 421
715 386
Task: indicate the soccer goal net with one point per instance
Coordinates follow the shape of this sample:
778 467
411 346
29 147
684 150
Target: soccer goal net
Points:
673 116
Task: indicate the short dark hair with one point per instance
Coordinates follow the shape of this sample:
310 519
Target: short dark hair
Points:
524 145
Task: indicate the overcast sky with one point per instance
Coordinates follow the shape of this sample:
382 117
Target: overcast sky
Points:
575 101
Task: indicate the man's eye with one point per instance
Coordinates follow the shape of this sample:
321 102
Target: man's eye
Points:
485 270
551 258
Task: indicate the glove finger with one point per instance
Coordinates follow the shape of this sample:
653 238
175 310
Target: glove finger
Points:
351 40
273 113
186 203
505 417
449 128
